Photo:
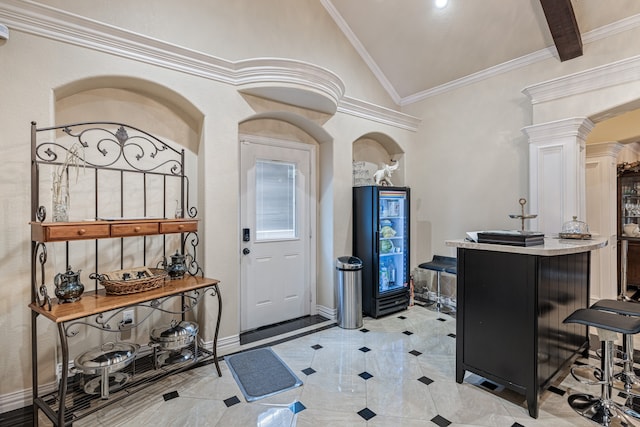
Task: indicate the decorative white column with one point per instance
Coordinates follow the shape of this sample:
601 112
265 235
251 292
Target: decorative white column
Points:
556 172
601 199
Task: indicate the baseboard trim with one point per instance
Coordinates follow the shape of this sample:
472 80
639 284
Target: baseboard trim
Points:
22 398
227 345
329 313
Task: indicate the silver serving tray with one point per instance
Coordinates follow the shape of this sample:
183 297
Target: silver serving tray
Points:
575 236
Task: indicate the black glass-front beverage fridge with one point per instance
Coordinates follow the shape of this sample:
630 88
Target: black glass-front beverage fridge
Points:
381 241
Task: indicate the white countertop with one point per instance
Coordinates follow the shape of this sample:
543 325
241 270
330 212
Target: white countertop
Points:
552 246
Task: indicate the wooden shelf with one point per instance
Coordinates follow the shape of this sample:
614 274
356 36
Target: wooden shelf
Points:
83 230
93 303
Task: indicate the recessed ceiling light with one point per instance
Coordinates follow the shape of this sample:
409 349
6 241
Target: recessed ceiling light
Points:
441 3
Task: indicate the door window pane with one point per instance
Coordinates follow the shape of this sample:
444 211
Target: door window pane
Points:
275 200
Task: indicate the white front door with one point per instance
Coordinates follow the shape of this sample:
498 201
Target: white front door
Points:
276 231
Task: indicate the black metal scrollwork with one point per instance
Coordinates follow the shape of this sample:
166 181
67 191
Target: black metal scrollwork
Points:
112 324
193 268
113 149
41 295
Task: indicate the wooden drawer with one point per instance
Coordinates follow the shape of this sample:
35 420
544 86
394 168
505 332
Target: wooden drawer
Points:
178 226
61 231
134 229
69 231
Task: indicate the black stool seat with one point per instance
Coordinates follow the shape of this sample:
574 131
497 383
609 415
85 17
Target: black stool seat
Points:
603 409
605 320
628 373
439 263
626 308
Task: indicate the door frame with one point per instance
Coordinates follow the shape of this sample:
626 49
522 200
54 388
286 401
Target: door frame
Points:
312 209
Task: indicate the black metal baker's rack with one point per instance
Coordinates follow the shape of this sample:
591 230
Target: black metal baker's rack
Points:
111 154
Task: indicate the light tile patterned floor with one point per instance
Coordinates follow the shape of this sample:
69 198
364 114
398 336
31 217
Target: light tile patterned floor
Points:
395 371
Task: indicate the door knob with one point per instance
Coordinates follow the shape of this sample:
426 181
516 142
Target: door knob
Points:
246 251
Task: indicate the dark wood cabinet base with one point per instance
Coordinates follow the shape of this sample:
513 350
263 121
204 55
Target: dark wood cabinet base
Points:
509 319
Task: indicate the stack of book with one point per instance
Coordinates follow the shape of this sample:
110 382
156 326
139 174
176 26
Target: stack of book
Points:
511 237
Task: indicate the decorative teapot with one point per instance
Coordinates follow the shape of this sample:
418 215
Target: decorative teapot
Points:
68 286
177 268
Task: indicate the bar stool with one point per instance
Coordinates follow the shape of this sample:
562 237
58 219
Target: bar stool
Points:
625 308
440 264
602 409
454 272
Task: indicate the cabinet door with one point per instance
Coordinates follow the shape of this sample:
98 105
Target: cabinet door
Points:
393 237
629 227
497 286
633 264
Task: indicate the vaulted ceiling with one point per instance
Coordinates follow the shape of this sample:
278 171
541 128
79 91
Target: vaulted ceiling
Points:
416 49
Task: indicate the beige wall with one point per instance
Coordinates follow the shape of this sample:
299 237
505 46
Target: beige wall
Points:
467 164
242 29
471 165
48 81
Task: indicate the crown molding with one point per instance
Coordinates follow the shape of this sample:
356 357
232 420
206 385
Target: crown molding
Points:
553 89
44 21
600 77
615 73
603 32
625 24
487 73
377 113
362 51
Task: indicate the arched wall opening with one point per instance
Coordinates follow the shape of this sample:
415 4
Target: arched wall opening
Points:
139 103
371 152
145 104
583 183
161 112
612 141
302 126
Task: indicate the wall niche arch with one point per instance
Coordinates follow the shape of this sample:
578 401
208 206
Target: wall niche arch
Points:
284 122
140 103
565 112
137 102
153 108
370 152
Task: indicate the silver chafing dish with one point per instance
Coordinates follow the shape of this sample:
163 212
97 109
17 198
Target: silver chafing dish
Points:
105 361
170 342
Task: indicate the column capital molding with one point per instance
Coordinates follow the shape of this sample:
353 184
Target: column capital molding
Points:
573 127
604 149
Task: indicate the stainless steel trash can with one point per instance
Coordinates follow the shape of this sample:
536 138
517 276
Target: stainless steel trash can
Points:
349 292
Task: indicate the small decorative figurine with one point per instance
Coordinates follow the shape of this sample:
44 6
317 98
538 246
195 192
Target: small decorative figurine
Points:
383 176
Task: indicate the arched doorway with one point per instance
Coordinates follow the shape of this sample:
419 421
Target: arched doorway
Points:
279 218
565 111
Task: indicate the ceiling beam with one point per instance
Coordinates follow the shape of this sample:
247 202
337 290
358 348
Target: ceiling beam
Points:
564 28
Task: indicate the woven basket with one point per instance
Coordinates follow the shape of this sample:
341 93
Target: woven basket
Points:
125 287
